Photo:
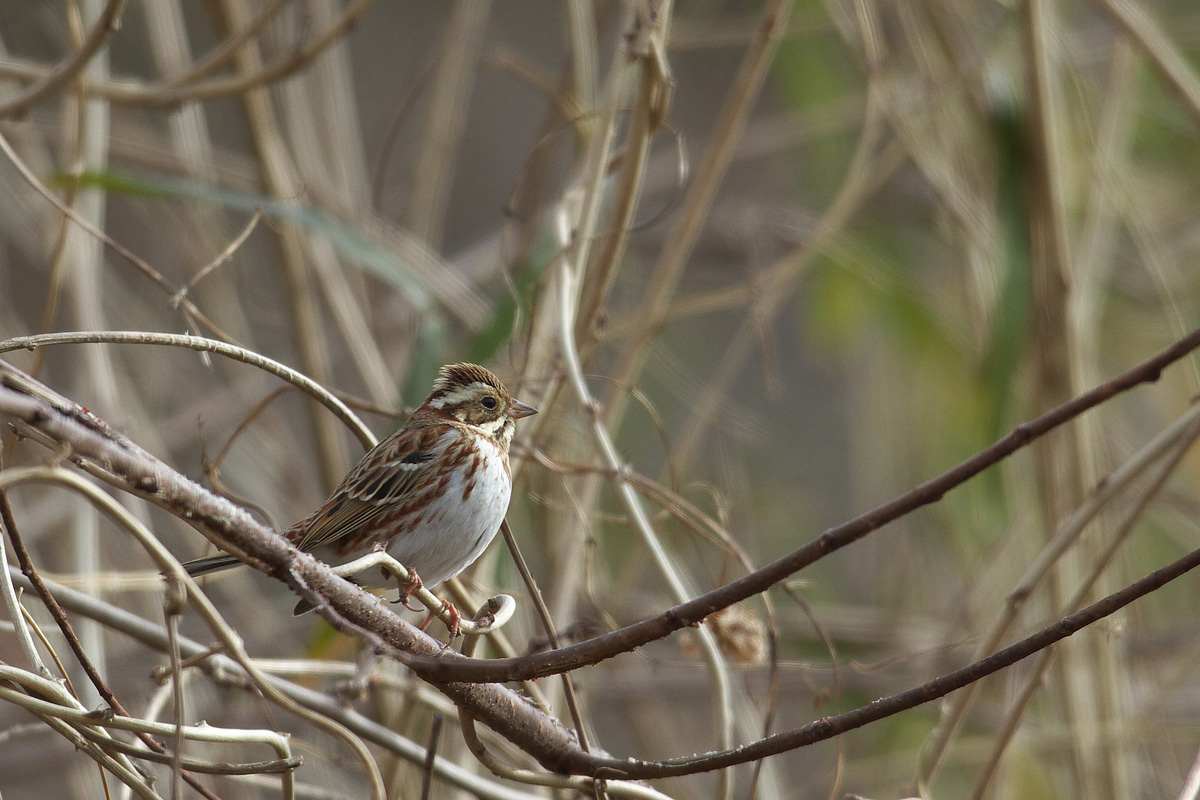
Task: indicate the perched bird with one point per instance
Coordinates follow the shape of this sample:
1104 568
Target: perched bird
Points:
433 493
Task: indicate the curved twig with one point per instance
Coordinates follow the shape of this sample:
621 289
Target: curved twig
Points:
297 379
82 719
492 616
154 275
1036 573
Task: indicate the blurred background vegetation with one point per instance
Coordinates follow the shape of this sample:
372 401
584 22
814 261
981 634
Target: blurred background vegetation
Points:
937 219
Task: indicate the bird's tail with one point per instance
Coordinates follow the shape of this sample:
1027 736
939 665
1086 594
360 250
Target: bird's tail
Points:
203 566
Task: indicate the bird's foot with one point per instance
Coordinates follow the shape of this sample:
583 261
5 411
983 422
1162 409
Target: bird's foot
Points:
407 588
452 625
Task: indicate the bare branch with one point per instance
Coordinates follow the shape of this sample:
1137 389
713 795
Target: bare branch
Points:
692 612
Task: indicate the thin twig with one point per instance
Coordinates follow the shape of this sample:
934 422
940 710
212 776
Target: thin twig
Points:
154 275
297 379
221 258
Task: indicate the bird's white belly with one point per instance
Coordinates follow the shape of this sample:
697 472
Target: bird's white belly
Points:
454 530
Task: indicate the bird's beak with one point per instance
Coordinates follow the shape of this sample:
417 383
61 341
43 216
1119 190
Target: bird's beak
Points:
519 409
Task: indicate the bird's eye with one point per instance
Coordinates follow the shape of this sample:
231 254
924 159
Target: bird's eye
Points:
488 402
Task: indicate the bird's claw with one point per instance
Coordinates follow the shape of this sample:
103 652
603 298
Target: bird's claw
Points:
452 625
404 602
407 588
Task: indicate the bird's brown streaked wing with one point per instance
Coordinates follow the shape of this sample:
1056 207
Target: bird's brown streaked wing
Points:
338 518
390 474
393 480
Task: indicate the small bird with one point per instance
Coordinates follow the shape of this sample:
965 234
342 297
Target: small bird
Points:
433 493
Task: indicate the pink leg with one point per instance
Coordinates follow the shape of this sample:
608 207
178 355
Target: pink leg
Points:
407 588
454 619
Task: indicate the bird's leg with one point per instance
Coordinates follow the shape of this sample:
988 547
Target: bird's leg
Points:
406 587
455 617
411 584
